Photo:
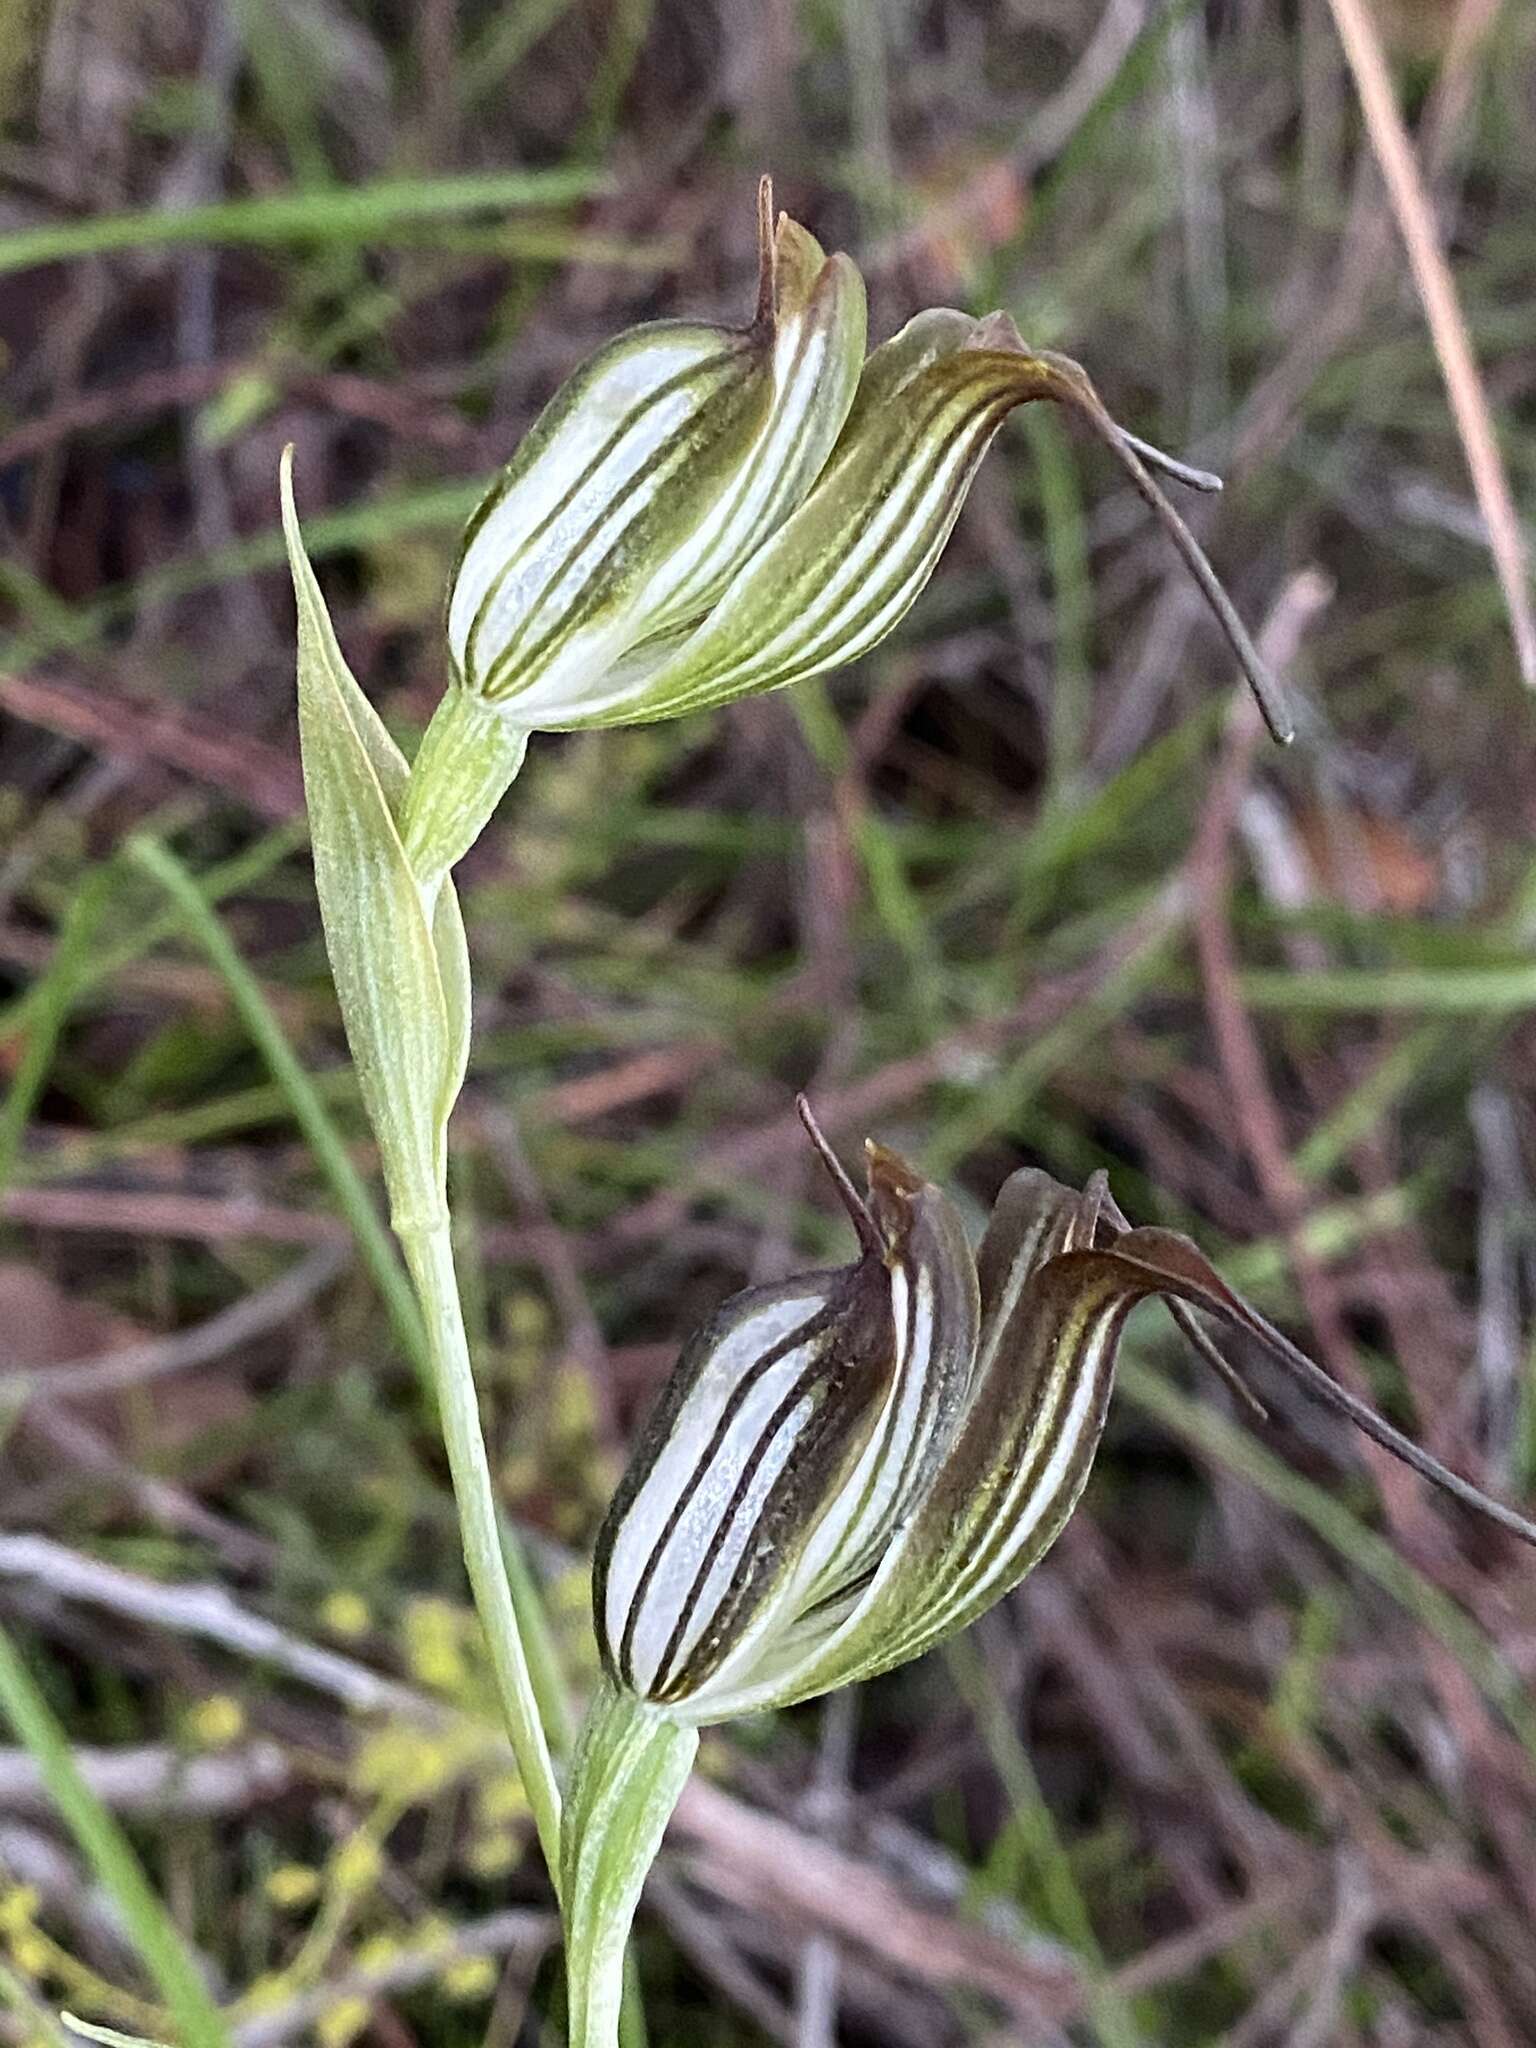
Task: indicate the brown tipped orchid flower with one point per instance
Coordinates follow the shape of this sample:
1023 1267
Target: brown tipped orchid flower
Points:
849 1466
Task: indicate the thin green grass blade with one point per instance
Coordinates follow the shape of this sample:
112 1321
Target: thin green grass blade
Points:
891 894
229 877
435 506
349 214
53 993
1113 2020
629 24
218 1117
633 2032
309 1109
1365 1107
999 1101
36 2018
169 1962
1066 547
509 34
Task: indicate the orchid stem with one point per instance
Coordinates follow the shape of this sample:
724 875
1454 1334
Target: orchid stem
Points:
468 760
429 1254
631 1764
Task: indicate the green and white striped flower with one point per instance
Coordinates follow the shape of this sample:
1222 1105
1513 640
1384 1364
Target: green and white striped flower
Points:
850 1466
705 512
658 469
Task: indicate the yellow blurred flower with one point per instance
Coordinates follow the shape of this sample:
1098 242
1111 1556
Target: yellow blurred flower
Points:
292 1886
346 1614
469 1978
342 2023
357 1865
215 1722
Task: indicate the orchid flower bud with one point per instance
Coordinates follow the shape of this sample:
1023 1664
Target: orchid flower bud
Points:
704 512
832 581
652 475
848 1467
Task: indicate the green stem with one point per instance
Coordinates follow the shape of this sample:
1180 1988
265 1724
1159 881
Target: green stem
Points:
429 1254
632 1762
468 759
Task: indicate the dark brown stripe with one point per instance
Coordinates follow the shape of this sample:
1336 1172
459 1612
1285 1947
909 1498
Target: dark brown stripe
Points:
982 1584
924 1406
661 1686
812 1327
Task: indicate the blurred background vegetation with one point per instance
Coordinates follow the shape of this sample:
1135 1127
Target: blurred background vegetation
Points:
1251 1758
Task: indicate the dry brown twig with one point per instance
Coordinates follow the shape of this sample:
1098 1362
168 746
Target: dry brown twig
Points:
253 1315
154 1779
1442 310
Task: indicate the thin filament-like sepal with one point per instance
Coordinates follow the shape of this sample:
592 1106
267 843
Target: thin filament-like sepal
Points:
1075 389
1171 1265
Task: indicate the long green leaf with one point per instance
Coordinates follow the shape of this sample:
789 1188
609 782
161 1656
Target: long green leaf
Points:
199 2023
350 213
1448 991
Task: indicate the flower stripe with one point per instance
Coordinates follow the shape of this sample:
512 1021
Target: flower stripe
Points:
680 423
680 1559
845 567
816 374
1051 1459
651 476
934 1313
797 1403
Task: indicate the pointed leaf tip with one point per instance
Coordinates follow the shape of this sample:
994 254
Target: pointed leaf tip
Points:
285 496
401 983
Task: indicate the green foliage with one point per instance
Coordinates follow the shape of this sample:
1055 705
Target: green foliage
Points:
160 1944
357 215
